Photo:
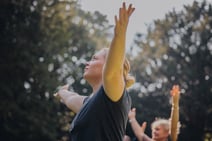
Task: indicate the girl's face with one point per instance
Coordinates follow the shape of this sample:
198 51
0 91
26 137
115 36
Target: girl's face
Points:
94 68
159 133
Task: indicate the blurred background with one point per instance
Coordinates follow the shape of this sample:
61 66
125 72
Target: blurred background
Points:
45 43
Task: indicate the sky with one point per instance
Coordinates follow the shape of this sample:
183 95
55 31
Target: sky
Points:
146 11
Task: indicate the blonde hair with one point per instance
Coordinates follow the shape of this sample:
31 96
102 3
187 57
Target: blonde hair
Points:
166 124
161 122
129 80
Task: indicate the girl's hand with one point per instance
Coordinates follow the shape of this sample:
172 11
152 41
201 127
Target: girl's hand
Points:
175 92
132 114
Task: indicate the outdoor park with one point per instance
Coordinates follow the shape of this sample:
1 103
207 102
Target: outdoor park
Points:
46 43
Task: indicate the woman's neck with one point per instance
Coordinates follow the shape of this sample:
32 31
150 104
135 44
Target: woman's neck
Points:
95 84
96 88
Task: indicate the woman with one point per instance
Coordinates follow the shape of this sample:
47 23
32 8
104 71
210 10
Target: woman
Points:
162 129
103 115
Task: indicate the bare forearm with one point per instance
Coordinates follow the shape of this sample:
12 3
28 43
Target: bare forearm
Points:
137 129
174 121
116 55
175 92
72 100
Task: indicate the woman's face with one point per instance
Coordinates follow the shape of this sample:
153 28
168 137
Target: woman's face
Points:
159 133
93 68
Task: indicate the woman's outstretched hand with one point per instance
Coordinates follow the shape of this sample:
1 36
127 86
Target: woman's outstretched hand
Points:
122 21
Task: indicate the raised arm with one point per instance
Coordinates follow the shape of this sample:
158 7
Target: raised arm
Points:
175 92
113 80
137 129
71 99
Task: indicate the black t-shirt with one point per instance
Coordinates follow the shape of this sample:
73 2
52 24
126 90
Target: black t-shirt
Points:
101 119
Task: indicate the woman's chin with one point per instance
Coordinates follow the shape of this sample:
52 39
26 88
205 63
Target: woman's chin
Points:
85 76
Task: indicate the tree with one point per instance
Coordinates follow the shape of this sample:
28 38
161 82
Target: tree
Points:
43 45
177 50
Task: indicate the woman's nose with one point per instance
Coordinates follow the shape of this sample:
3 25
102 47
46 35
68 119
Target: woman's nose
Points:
87 63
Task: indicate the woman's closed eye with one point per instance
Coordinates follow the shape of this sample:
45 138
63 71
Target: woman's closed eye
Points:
94 58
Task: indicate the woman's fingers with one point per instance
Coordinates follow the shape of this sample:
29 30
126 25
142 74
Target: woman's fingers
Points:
130 10
125 13
133 109
124 6
143 126
116 20
55 94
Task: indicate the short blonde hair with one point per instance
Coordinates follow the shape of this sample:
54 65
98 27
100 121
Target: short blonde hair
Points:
161 122
129 80
166 124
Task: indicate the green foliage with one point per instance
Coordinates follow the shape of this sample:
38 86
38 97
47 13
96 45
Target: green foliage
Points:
177 50
44 44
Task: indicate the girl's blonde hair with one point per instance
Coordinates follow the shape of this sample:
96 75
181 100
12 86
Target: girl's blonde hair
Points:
166 124
129 80
161 122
